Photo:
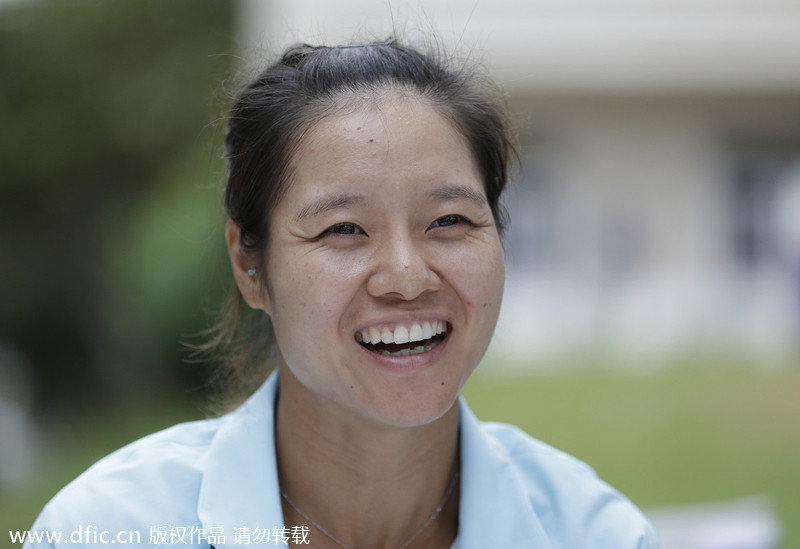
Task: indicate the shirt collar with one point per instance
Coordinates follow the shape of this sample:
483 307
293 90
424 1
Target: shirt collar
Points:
494 509
240 486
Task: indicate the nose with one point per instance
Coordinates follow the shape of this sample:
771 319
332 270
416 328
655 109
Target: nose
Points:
402 270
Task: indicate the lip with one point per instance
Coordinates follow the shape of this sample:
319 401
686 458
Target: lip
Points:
411 363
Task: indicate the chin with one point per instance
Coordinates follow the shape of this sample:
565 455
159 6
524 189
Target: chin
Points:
417 409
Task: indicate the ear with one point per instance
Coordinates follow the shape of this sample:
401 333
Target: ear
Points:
254 293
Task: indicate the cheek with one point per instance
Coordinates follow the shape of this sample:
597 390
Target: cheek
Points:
481 280
498 275
310 296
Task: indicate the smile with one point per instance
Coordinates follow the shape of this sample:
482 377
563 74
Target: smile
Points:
403 340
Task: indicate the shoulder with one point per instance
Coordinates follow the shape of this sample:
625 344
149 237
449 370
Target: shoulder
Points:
173 487
537 462
149 483
573 505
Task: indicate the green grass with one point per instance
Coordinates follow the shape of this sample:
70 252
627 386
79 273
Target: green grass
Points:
676 436
668 438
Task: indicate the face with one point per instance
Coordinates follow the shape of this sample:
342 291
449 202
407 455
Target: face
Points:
384 268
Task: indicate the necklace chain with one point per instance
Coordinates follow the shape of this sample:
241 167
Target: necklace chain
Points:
408 542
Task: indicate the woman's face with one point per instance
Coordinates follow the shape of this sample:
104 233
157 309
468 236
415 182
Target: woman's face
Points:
384 268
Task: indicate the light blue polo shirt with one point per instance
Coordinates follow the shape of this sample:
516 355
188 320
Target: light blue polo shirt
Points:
215 482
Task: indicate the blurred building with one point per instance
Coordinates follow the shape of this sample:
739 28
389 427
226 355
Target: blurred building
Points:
658 209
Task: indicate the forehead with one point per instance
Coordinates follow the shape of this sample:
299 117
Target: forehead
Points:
363 132
379 109
386 154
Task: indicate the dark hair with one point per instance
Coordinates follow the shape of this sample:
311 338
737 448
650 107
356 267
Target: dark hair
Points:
270 117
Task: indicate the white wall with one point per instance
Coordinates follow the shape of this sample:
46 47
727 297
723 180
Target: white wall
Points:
558 45
633 247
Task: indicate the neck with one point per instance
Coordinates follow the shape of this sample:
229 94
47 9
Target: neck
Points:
368 485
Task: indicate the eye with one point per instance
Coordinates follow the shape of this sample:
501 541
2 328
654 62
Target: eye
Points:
449 220
343 229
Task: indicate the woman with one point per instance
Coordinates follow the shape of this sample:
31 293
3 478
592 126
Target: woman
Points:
364 227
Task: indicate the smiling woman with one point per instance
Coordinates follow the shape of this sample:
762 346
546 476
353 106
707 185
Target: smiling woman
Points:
364 234
412 242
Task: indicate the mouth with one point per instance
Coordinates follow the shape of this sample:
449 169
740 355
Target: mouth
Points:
403 339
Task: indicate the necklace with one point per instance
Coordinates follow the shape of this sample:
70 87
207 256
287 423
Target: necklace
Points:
414 536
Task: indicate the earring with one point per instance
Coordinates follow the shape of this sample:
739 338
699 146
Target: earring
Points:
252 271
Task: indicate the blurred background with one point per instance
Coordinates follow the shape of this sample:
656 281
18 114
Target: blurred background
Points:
651 324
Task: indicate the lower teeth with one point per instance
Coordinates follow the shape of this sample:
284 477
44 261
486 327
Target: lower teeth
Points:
408 352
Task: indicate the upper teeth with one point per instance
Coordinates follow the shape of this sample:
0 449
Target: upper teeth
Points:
416 331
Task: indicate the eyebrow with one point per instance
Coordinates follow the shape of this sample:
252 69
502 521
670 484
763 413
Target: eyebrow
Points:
456 192
342 200
327 203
